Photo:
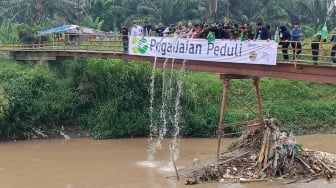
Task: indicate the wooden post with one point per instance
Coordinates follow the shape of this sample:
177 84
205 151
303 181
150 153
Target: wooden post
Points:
295 55
226 84
256 82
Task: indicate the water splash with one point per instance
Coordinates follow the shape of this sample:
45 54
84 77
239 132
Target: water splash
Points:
158 130
153 129
174 149
170 114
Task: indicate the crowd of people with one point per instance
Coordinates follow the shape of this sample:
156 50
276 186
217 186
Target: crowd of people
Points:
287 38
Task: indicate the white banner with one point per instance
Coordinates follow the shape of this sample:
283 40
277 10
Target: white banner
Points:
233 51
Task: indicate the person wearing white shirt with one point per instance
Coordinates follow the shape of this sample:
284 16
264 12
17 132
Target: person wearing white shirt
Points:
136 30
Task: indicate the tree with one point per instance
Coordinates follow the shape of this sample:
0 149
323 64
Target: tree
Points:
109 11
34 12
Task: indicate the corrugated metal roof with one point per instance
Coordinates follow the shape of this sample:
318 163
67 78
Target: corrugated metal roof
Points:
62 28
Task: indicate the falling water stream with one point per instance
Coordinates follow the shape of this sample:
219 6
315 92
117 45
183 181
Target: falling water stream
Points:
170 112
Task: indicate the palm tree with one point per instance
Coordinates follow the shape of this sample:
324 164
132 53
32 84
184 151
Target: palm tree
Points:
34 12
109 11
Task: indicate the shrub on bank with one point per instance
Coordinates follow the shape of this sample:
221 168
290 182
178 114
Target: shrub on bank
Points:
111 99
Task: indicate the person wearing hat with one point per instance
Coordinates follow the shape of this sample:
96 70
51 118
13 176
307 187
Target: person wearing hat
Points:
296 33
124 35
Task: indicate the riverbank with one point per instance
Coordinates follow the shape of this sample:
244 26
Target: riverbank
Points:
112 99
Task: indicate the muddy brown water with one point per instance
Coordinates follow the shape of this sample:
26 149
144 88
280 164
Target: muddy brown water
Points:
86 163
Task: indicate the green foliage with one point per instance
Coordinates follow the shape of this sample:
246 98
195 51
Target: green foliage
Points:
107 14
4 105
37 99
25 34
110 98
110 95
308 31
7 32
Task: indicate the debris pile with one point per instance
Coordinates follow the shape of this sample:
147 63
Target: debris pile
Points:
263 154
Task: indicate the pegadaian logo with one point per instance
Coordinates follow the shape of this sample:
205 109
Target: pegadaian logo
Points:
253 55
139 45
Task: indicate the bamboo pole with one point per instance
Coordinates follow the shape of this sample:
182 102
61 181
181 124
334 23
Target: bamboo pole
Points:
326 166
236 157
306 165
267 132
294 54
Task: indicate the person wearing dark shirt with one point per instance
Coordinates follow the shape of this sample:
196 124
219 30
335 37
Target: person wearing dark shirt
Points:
124 36
218 31
147 29
333 49
268 27
315 45
284 37
261 32
247 33
205 31
159 28
234 35
227 31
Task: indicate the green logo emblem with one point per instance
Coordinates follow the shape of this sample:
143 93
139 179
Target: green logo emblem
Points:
253 55
139 45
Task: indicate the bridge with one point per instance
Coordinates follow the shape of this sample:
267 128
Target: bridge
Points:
302 69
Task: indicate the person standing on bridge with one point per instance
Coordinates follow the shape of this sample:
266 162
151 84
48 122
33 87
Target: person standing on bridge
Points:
147 29
159 28
136 30
315 45
124 36
284 37
261 32
296 33
333 49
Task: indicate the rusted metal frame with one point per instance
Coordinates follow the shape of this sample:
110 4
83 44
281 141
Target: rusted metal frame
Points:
226 85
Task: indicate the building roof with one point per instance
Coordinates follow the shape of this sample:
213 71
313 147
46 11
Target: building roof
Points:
62 28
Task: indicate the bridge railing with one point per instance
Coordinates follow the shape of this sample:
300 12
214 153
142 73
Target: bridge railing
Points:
90 43
323 53
114 45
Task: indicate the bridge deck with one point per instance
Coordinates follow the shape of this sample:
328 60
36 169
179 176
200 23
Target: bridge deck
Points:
302 69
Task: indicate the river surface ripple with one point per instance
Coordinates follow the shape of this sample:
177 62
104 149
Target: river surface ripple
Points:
120 163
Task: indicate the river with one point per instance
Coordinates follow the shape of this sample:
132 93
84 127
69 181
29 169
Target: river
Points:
119 163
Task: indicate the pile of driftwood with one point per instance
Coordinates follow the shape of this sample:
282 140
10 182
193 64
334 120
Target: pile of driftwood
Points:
263 154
